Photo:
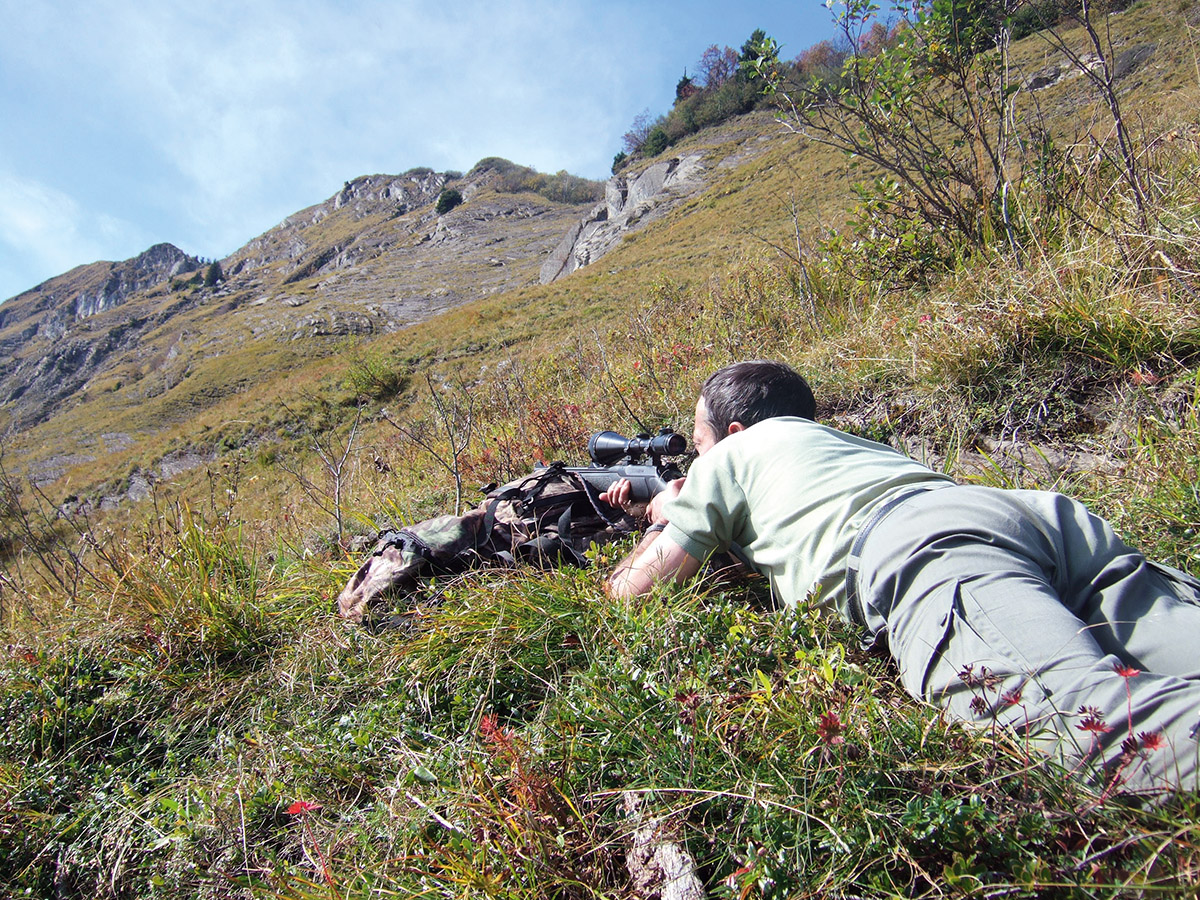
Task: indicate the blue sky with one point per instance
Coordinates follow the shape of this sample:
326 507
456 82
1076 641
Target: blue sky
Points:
124 123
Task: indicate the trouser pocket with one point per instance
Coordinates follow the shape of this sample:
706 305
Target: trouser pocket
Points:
918 635
954 657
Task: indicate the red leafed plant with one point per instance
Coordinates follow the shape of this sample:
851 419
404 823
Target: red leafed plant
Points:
528 787
830 729
301 809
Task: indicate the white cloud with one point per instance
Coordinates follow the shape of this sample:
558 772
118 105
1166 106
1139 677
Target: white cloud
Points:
44 232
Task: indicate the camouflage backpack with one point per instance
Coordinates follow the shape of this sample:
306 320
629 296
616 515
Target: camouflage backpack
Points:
548 518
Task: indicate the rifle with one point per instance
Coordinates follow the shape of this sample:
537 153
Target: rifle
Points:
607 449
616 457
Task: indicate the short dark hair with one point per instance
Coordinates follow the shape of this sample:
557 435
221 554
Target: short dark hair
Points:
754 390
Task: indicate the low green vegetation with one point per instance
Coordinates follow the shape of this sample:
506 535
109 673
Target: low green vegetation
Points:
222 736
562 187
447 200
184 716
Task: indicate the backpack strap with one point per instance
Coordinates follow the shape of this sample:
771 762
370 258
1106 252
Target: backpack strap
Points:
405 540
527 493
593 497
549 550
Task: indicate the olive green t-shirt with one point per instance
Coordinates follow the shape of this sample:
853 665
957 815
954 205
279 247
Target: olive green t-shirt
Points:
793 495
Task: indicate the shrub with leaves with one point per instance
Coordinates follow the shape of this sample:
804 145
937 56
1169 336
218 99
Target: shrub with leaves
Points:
447 200
920 100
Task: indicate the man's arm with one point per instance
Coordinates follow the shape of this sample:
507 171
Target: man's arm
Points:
657 558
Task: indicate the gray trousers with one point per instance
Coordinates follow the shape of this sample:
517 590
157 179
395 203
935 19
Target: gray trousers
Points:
1022 607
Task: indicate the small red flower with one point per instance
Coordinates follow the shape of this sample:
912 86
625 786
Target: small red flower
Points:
1094 725
1013 697
830 729
991 681
1126 671
1152 740
689 701
300 807
1144 378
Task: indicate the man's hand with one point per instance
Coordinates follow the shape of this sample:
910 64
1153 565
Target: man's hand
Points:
620 495
654 512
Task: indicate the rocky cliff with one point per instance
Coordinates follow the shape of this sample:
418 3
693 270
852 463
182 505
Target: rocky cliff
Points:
91 289
635 200
373 258
630 203
48 345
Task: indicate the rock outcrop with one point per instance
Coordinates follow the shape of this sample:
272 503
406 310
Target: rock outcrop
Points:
374 257
629 204
52 339
88 290
291 242
146 270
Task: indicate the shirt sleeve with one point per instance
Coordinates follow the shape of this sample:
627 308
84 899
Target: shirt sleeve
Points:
710 511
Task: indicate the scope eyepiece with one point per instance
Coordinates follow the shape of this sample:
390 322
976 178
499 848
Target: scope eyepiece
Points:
607 447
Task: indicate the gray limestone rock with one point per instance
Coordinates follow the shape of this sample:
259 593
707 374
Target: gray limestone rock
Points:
629 204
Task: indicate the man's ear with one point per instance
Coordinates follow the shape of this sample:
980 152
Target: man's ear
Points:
734 428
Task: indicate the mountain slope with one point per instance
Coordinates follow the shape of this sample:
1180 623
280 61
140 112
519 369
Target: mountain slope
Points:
374 259
182 364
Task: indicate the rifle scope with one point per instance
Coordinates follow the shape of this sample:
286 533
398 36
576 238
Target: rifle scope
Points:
607 447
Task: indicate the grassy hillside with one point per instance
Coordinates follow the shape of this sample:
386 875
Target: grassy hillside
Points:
216 396
184 716
375 257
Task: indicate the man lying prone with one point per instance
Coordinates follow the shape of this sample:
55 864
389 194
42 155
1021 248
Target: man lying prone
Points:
1081 639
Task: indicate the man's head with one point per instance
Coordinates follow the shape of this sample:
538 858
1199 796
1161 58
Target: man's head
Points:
741 394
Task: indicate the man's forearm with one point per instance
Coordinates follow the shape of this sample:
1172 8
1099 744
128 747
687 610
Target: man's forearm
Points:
626 566
657 558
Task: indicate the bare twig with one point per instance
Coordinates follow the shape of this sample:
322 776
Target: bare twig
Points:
334 455
1102 76
455 416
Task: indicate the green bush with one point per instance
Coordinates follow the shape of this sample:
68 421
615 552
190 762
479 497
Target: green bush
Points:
447 200
656 142
562 187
